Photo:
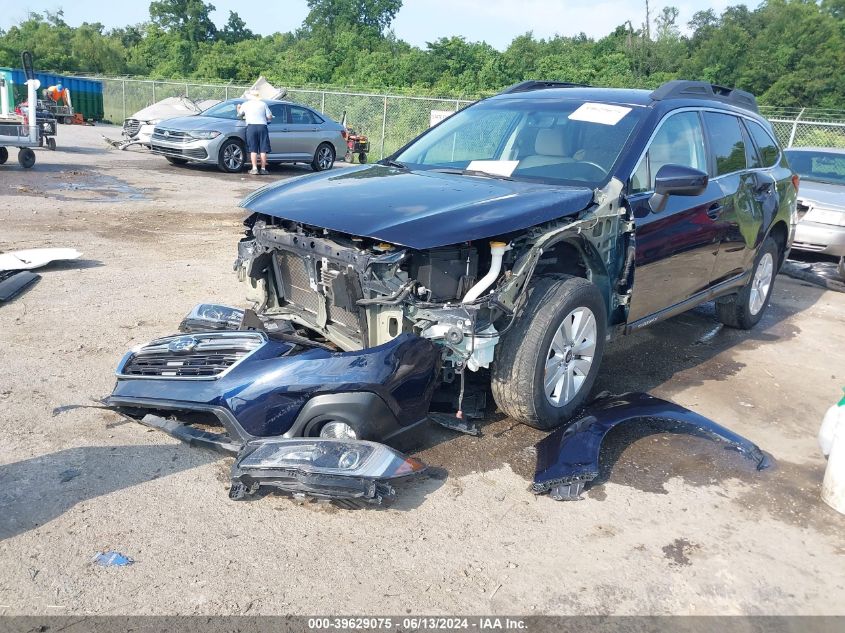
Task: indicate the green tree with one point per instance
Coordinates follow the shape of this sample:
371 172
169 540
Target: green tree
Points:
189 18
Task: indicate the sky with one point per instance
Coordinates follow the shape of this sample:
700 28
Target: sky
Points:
419 21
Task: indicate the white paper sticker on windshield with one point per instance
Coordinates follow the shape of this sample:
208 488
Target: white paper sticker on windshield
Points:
603 113
495 167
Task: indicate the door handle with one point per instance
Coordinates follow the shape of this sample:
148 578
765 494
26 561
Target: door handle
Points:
714 211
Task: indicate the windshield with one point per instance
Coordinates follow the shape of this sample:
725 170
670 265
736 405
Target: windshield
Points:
225 110
554 142
820 166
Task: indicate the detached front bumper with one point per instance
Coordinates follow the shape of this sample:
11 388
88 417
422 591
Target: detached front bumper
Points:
258 385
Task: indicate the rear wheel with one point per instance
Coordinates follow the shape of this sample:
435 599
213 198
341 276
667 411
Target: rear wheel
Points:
545 366
744 309
323 157
26 157
4 155
51 143
176 161
232 156
362 158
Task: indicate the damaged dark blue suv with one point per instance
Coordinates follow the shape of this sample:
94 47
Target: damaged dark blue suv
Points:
513 239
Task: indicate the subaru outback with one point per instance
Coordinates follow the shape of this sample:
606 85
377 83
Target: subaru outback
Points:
514 239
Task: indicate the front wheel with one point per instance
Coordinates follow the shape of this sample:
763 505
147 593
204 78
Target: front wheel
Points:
323 158
232 156
26 157
4 155
744 309
545 366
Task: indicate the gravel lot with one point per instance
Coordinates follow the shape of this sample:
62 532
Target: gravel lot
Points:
679 526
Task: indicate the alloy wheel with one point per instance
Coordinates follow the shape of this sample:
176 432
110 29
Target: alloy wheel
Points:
233 157
761 283
324 158
570 356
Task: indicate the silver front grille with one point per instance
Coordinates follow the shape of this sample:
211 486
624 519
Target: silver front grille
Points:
131 127
173 136
200 356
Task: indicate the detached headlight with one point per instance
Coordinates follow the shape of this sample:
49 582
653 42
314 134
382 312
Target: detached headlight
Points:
825 216
204 134
322 468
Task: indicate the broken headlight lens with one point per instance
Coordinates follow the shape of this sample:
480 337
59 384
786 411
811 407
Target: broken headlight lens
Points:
212 316
354 458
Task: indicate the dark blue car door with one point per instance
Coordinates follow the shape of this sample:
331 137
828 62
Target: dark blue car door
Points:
676 248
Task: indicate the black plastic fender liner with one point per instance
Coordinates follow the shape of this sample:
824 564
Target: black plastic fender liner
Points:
568 458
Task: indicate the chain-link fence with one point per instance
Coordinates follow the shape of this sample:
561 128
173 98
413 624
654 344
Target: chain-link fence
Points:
390 121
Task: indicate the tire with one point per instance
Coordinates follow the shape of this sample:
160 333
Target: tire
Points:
744 309
323 157
176 161
51 144
362 158
841 267
526 351
232 156
26 157
4 155
347 157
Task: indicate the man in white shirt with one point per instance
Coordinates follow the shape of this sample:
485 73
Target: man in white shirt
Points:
256 114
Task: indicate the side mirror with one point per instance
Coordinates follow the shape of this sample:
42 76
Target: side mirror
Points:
676 180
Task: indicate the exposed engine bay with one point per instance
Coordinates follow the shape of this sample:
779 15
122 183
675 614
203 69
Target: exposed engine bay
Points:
358 292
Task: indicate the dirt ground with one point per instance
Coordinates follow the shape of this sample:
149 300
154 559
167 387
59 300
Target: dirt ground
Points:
677 526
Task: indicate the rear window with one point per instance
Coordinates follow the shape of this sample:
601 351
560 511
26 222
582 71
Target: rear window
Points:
726 142
766 145
303 116
820 166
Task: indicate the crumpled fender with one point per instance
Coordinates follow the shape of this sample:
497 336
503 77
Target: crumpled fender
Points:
568 458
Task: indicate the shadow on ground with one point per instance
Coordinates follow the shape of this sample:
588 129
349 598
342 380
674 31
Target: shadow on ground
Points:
36 491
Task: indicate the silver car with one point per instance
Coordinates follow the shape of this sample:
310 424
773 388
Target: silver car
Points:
217 136
821 200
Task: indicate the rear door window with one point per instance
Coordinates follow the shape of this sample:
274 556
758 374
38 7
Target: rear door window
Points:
678 141
302 116
279 112
726 142
766 145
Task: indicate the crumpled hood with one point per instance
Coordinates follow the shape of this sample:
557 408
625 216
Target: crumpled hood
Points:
418 209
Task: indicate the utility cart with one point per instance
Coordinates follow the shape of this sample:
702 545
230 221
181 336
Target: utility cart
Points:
13 131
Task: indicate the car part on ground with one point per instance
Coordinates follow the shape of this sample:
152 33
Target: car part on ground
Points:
271 382
35 258
14 282
568 458
343 470
824 274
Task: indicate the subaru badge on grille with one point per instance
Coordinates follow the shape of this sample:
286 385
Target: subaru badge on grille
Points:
183 344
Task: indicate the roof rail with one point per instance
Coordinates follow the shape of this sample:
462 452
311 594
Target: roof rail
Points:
535 84
681 88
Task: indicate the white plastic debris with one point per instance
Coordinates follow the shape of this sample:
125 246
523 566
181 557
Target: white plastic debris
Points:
35 258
